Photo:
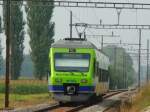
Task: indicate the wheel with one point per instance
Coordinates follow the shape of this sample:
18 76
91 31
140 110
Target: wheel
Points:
100 98
61 103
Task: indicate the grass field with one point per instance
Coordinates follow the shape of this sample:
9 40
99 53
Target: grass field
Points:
17 100
25 93
25 86
140 101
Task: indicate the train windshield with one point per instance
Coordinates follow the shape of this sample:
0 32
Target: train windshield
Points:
72 62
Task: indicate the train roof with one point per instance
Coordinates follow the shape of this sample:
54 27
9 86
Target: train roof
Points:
73 43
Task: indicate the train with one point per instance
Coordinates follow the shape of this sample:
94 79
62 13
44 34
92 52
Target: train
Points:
78 70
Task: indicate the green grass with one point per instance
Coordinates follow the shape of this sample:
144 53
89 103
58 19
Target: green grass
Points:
25 93
2 101
25 86
141 100
17 100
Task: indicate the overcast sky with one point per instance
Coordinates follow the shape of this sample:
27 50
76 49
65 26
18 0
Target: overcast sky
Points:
61 17
108 16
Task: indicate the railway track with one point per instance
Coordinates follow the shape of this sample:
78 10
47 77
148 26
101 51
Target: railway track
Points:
73 107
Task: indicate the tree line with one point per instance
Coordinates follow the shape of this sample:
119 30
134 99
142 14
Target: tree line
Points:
41 32
122 73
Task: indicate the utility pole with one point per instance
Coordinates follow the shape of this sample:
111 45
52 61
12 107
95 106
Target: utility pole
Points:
124 69
102 43
147 61
115 56
115 63
84 35
118 13
125 73
139 68
7 53
70 24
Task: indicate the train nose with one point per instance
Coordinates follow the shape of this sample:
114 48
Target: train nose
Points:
71 89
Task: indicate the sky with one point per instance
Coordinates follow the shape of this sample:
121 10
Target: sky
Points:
108 16
93 16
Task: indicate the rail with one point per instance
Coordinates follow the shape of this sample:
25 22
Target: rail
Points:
73 107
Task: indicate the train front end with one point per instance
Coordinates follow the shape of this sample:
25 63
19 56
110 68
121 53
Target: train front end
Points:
70 78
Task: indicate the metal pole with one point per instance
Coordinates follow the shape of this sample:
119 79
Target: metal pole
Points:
115 54
102 43
123 69
115 59
7 53
70 24
147 60
84 35
80 35
125 72
118 13
139 70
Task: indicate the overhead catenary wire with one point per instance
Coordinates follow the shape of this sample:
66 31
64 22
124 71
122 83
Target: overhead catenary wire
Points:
77 18
36 5
92 4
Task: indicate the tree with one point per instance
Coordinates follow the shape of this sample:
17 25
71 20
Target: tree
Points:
41 32
118 69
17 39
27 67
1 58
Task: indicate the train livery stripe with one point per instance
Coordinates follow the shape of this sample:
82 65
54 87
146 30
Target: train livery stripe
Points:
86 88
55 88
61 88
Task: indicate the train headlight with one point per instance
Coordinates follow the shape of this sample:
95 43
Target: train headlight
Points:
58 80
84 80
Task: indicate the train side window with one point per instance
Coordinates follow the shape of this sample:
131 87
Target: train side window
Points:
105 79
100 75
108 75
104 75
96 68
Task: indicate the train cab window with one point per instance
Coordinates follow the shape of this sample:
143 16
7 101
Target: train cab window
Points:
73 62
